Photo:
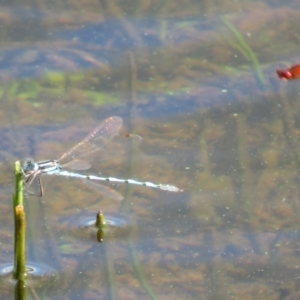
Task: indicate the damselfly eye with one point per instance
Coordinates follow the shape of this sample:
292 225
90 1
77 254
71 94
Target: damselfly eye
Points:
28 164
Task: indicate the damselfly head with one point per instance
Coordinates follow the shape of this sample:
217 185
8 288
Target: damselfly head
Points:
29 165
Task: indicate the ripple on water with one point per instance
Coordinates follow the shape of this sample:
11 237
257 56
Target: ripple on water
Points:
117 226
38 275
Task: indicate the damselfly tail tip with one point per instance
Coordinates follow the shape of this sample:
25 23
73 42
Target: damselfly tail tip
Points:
170 188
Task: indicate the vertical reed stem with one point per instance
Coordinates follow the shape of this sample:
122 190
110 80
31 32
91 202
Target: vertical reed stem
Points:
19 272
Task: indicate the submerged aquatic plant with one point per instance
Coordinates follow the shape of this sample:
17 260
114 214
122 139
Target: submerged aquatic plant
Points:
245 50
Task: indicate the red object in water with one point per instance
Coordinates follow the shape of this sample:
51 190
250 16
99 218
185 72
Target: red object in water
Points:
288 74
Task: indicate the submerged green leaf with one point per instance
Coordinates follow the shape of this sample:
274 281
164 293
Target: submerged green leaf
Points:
101 98
245 50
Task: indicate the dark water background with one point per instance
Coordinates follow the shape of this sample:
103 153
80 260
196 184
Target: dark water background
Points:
195 79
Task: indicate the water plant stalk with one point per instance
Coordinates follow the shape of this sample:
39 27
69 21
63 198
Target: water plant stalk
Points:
19 272
100 224
246 51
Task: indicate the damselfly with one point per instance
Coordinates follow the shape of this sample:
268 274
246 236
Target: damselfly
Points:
97 140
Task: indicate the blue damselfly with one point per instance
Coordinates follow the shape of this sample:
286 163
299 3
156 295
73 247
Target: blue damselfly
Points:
97 140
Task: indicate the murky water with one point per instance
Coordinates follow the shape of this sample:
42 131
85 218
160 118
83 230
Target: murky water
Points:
197 81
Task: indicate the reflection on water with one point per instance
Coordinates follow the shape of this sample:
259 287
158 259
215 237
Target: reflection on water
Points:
188 85
117 226
38 276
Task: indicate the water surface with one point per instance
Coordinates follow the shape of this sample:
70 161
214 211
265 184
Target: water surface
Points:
197 81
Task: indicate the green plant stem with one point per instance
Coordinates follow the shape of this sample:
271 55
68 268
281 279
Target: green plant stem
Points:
100 224
139 272
19 272
246 50
20 265
18 197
